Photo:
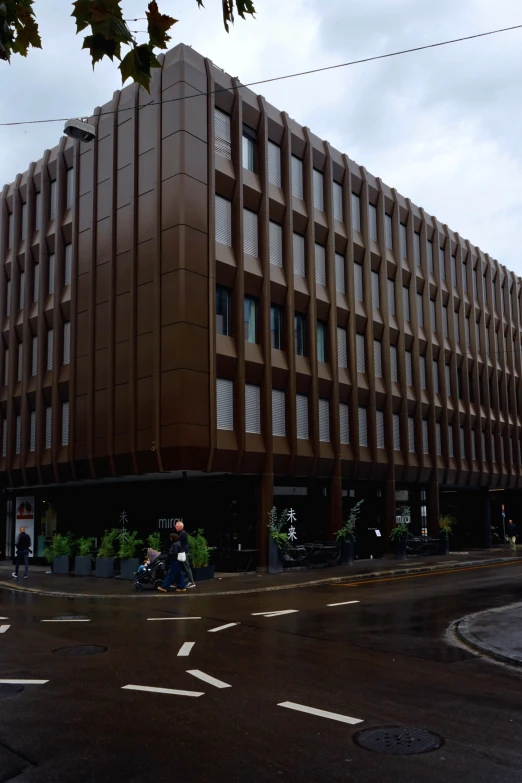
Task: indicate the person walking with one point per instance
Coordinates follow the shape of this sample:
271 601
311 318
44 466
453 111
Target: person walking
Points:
23 547
511 535
184 542
175 573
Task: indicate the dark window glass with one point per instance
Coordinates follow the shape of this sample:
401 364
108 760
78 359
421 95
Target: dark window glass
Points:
222 310
250 319
249 148
470 386
300 334
276 327
459 382
321 341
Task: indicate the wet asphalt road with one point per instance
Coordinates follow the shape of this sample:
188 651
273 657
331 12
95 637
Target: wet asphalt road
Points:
384 661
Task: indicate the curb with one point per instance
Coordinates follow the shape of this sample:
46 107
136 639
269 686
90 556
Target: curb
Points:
464 632
404 571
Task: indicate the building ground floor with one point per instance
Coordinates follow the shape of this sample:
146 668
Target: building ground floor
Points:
233 510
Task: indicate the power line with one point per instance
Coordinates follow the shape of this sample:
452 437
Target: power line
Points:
286 76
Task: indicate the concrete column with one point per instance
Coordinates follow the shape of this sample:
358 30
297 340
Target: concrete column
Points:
432 497
335 501
264 505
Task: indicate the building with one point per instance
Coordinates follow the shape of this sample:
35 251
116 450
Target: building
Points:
209 310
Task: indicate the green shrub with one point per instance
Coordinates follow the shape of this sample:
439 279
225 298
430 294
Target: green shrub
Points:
198 549
61 545
85 546
129 542
106 548
154 541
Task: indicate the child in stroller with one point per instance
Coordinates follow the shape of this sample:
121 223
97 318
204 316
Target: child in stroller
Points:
147 572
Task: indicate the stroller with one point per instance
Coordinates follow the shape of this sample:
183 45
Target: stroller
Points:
150 575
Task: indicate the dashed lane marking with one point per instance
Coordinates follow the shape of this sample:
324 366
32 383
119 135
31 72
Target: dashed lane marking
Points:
169 691
70 620
23 682
320 713
158 619
185 649
4 628
344 603
274 614
207 678
222 627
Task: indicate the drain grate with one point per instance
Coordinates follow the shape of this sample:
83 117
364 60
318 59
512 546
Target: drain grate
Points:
8 691
398 740
80 649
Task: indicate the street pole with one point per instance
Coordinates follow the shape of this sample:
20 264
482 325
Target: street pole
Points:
504 526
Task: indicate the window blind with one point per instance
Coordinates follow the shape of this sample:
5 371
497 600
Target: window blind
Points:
318 188
339 273
344 421
363 427
342 352
250 233
338 201
299 255
356 212
320 264
376 302
65 423
324 420
377 358
297 177
372 215
302 416
223 221
252 408
225 404
396 432
276 243
278 412
379 426
274 164
359 350
222 134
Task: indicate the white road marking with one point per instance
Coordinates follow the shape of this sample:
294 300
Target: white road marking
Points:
320 713
185 649
222 627
65 621
170 691
156 619
4 618
343 603
4 628
274 614
207 678
23 682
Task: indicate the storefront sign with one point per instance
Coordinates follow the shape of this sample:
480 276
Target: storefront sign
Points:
24 517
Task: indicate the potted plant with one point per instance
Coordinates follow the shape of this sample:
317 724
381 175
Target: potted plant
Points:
83 560
345 536
129 542
400 533
446 523
199 557
277 541
105 554
59 551
154 541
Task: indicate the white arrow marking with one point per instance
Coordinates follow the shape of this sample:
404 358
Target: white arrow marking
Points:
208 678
23 682
185 649
4 628
170 691
320 713
274 614
222 627
344 603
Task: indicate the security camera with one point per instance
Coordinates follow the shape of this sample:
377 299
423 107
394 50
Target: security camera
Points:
79 129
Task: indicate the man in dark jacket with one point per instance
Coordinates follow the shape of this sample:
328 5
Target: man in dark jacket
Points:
184 543
175 573
511 535
23 547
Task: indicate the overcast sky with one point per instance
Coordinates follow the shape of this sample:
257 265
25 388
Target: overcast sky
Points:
442 126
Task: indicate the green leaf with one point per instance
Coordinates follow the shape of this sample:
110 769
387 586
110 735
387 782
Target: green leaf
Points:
158 24
137 65
101 47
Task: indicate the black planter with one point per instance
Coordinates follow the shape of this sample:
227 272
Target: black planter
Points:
128 567
204 573
346 553
105 566
444 544
275 557
82 565
400 548
61 564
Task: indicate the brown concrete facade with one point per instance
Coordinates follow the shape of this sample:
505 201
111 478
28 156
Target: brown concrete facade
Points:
137 222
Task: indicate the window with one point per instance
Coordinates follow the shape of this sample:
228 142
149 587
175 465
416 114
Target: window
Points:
300 334
70 189
417 248
358 279
318 188
4 438
422 362
52 199
359 350
222 135
457 327
409 372
484 288
22 290
372 215
465 277
425 449
342 353
474 446
454 270
377 358
278 413
321 341
375 290
36 282
445 320
67 276
320 264
411 434
252 408
24 220
438 438
431 268
324 420
420 311
391 296
475 284
48 426
493 450
67 342
299 255
50 343
65 423
250 311
468 333
34 356
388 230
223 301
18 434
344 422
297 177
462 443
249 148
32 432
442 265
302 416
276 327
435 376
379 423
396 432
394 366
38 211
225 404
6 366
484 455
406 302
450 441
8 299
276 243
432 315
250 233
223 221
356 212
403 241
20 361
338 202
494 289
363 427
10 230
274 164
51 274
448 379
339 273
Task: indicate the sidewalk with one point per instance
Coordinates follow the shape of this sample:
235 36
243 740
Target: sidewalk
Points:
496 633
71 586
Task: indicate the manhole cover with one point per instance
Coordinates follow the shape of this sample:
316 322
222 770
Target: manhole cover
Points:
8 691
71 617
398 740
81 649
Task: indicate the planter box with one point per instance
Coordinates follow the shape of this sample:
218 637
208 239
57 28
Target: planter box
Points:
444 545
129 567
346 553
400 549
105 566
202 574
82 565
61 564
275 557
